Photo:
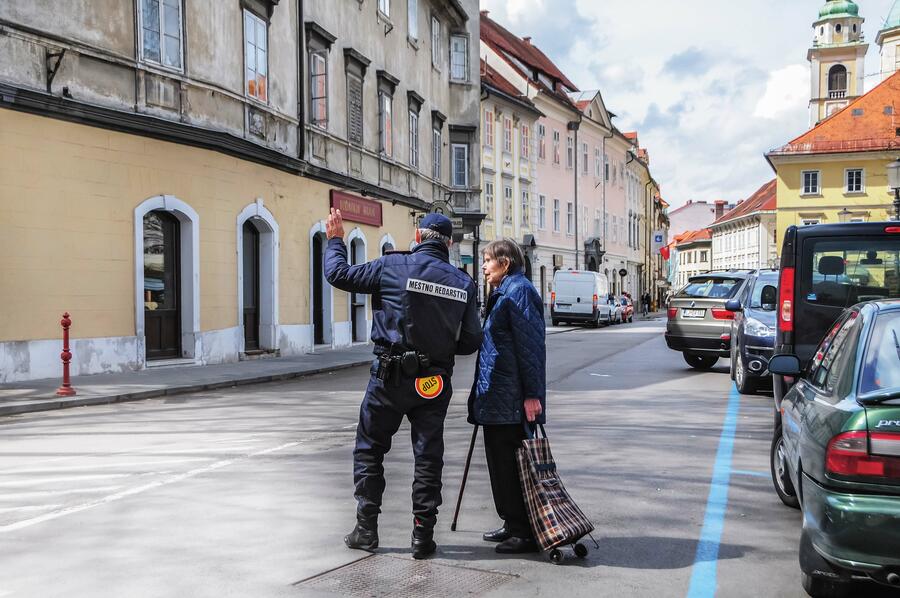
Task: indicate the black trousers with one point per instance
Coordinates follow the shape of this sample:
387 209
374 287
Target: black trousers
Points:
380 415
500 445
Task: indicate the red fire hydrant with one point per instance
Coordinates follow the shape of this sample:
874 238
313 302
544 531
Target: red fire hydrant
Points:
66 389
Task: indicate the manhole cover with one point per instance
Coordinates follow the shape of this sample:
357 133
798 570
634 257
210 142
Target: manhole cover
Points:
382 575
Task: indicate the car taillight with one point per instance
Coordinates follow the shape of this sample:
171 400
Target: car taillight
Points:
722 314
594 301
892 229
848 455
673 311
553 297
786 300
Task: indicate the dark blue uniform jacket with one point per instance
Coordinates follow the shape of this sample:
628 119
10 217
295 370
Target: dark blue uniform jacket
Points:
512 361
420 301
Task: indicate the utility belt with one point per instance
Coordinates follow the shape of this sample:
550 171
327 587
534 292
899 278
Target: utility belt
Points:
393 365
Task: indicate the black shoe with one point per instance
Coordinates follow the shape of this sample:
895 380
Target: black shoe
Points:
497 535
514 545
363 537
423 544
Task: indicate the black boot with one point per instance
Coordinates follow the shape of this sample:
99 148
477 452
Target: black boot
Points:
364 536
423 544
497 535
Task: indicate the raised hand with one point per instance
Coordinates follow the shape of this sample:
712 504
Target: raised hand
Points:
334 225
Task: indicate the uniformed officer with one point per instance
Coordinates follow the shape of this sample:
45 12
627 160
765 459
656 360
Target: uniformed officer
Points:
424 313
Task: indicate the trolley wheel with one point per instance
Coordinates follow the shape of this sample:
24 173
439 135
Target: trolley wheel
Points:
556 556
581 550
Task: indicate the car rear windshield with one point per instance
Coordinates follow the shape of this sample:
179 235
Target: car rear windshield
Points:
881 365
843 272
712 287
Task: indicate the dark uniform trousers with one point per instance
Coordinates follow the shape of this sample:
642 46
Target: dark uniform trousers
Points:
380 416
500 445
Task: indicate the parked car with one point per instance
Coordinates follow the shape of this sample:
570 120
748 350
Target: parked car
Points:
699 325
826 268
753 331
576 297
839 456
627 308
615 310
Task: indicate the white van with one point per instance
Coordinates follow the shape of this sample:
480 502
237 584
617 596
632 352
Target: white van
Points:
579 296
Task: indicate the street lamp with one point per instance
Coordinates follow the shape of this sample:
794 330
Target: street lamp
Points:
844 215
893 173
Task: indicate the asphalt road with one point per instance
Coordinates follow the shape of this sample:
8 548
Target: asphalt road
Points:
247 491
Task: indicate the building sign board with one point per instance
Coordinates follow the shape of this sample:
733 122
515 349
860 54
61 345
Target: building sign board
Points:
355 208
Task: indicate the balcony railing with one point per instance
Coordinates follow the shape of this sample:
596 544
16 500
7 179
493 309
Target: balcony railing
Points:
837 94
837 146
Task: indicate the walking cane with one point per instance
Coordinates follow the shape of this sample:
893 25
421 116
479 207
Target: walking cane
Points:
465 475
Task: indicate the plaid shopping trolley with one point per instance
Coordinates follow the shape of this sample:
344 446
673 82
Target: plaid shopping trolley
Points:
555 518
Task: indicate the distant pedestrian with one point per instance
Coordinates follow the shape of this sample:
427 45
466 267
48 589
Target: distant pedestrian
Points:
424 313
510 386
645 302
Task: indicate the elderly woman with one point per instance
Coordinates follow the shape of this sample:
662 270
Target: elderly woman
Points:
509 387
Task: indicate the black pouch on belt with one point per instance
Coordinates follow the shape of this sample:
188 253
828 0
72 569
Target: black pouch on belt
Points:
409 362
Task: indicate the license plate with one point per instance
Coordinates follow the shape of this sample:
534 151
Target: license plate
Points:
561 307
693 313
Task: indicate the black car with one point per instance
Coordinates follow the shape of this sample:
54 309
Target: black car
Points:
753 330
826 268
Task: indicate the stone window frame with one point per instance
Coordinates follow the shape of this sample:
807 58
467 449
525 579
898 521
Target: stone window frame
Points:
414 103
318 46
437 140
355 67
462 135
387 85
254 15
162 34
435 42
465 74
862 181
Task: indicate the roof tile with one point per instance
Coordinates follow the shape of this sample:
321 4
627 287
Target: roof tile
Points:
763 199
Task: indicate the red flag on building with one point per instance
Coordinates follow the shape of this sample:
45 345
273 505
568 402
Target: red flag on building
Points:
664 252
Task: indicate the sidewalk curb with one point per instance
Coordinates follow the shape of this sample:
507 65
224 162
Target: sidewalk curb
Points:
39 405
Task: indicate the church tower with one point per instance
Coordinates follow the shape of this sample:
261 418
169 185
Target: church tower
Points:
888 40
837 59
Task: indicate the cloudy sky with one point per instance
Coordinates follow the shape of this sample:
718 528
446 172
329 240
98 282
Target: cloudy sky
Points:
710 85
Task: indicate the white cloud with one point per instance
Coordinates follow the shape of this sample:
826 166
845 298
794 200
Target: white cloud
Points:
786 89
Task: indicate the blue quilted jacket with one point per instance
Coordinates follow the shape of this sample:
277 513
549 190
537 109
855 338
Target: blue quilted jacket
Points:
512 361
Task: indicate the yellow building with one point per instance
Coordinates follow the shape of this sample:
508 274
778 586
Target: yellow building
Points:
836 172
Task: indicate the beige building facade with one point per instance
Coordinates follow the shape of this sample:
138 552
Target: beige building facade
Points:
165 180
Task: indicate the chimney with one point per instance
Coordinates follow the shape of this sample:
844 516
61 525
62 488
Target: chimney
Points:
485 13
720 208
527 40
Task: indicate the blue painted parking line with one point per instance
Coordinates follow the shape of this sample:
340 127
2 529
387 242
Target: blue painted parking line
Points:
703 576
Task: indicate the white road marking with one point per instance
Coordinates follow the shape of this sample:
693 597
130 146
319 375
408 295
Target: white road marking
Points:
602 375
49 493
140 489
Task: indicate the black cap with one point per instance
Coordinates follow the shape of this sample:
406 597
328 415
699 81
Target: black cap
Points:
438 223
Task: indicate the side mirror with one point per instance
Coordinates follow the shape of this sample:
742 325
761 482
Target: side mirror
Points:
733 305
785 365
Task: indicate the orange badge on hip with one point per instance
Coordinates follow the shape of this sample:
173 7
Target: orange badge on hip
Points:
430 387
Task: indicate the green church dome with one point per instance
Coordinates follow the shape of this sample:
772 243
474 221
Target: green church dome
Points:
839 8
893 19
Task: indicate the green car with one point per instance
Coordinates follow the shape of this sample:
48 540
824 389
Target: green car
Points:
838 457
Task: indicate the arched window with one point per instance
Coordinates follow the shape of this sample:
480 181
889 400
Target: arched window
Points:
837 81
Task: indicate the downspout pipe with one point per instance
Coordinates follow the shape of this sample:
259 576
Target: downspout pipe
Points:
603 181
573 126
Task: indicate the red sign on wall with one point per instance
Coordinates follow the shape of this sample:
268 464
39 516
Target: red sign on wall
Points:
356 208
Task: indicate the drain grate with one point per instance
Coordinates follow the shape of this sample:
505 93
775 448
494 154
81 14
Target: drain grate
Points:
382 575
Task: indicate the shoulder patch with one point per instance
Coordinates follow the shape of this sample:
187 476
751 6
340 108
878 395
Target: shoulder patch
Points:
425 287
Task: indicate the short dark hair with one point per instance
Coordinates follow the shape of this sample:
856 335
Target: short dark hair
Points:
508 250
